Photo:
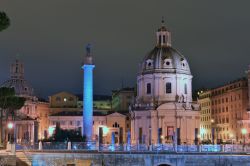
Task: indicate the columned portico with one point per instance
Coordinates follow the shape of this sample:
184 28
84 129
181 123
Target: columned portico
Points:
25 131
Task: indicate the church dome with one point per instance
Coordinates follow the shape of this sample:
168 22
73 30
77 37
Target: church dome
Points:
164 75
22 88
164 59
17 81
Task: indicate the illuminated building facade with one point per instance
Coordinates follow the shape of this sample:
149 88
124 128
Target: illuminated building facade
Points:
230 118
122 99
63 100
205 115
88 95
100 102
31 120
229 111
116 123
164 111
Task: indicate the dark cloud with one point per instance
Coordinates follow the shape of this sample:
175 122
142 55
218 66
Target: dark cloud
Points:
51 37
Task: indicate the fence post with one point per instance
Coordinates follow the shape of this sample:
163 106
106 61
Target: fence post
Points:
150 147
40 145
13 148
125 147
8 146
200 148
69 145
222 148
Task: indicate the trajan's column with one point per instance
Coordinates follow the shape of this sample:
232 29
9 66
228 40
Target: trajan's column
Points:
88 67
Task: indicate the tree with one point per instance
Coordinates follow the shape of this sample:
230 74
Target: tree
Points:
4 21
61 135
9 103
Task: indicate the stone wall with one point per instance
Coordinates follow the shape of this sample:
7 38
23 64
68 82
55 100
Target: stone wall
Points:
136 159
9 160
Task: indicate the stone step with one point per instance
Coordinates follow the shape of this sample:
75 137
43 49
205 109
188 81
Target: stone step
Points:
23 158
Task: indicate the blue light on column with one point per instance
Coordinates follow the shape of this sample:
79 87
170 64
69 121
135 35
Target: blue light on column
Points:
88 101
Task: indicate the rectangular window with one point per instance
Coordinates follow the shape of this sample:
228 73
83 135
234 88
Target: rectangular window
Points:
185 88
178 135
140 135
168 87
148 88
78 123
159 135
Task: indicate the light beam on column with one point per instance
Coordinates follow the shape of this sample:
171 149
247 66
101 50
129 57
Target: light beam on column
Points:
88 67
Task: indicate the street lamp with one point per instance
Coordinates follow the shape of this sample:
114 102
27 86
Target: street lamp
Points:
244 132
10 127
212 130
199 137
231 136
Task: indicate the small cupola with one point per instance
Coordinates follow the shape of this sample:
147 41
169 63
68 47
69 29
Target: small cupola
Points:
17 70
163 36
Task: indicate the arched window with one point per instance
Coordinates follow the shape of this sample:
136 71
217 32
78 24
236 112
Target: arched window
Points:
164 39
185 88
148 88
159 39
168 87
116 125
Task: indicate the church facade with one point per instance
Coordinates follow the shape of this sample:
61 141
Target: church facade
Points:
163 111
30 123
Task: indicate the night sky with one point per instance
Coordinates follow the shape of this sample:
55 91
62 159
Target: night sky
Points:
50 37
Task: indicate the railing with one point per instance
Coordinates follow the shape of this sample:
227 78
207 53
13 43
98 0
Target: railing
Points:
211 148
163 147
55 145
82 146
92 146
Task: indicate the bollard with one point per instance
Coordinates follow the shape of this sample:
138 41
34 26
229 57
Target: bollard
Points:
13 148
124 147
200 148
8 148
150 147
40 145
223 148
69 145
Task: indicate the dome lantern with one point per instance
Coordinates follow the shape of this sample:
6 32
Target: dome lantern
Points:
163 36
17 70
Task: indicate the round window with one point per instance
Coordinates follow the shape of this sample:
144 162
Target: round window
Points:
167 63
